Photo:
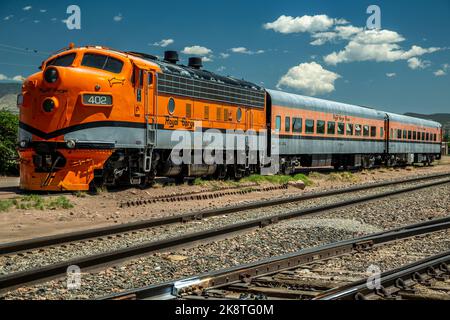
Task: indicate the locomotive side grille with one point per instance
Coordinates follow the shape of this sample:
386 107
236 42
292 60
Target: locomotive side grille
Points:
209 90
219 114
188 110
206 112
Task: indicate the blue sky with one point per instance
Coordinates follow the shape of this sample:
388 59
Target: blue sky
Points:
304 47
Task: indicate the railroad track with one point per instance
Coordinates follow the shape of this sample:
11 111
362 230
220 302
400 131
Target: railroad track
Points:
36 243
16 279
258 280
399 283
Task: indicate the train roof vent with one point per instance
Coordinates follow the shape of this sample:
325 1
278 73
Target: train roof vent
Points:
195 62
171 56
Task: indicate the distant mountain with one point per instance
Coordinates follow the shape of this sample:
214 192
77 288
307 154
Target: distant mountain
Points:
442 118
8 96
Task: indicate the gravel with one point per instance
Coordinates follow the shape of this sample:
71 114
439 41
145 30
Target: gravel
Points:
54 254
285 237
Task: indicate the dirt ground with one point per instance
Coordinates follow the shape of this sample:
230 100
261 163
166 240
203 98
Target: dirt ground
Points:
91 211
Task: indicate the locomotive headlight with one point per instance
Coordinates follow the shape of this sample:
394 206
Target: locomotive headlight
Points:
51 75
50 104
70 144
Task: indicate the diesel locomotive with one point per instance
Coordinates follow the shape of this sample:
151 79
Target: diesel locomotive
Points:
98 116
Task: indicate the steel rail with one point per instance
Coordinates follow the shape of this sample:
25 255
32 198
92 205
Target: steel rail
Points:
393 281
58 269
45 241
214 279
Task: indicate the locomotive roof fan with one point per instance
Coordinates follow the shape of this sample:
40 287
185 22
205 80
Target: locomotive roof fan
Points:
195 62
171 56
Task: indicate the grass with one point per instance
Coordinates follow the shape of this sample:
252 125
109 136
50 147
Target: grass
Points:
277 179
37 202
5 205
342 176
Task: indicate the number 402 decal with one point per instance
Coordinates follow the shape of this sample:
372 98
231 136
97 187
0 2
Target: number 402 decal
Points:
97 99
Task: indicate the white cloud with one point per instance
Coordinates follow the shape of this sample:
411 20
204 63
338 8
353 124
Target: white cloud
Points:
17 78
118 18
339 32
207 59
27 8
197 50
224 55
376 45
443 71
244 50
287 24
8 17
221 68
43 10
36 21
416 63
391 75
310 78
163 43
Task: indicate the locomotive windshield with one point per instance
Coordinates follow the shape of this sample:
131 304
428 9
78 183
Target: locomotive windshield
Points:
102 62
62 61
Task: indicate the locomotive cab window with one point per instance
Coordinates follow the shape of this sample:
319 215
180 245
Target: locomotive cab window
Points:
99 61
320 127
287 124
341 128
297 125
309 126
331 127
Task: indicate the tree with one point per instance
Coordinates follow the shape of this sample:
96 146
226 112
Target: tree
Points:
9 124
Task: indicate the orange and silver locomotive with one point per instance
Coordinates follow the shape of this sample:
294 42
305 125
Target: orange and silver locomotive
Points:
94 115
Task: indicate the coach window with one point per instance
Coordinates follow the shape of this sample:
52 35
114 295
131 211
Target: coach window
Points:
341 128
405 134
309 126
381 132
409 135
373 131
278 124
366 131
320 127
399 134
331 127
358 130
287 124
297 125
349 129
428 137
414 135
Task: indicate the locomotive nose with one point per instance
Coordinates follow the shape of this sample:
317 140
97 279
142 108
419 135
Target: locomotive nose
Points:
51 75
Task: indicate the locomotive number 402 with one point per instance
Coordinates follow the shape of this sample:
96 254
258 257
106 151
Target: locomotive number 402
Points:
97 99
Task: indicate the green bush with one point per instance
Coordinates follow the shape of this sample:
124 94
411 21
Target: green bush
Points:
9 124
